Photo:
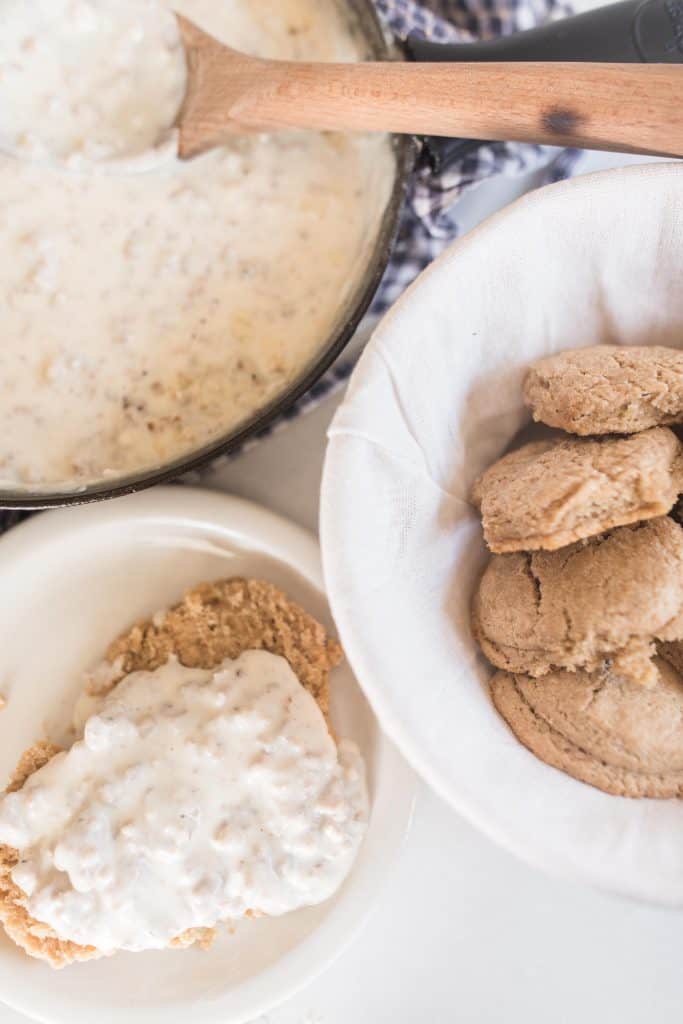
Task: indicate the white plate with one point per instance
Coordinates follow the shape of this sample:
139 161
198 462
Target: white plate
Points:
435 399
69 583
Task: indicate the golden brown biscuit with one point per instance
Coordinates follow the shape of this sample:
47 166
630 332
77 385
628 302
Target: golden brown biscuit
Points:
602 730
212 622
597 600
607 389
220 620
548 494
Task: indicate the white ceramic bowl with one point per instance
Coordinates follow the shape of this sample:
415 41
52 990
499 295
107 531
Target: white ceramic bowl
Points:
435 399
69 583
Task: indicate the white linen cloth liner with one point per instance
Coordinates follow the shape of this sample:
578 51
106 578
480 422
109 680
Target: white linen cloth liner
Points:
436 398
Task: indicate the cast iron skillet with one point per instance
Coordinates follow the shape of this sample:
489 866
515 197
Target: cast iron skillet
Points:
631 31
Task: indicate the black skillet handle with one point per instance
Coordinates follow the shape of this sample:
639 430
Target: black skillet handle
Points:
627 32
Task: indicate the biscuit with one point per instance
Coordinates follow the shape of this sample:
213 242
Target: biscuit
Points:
213 622
548 494
599 600
607 389
600 729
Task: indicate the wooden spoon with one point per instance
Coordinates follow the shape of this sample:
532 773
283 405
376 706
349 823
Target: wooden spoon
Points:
624 107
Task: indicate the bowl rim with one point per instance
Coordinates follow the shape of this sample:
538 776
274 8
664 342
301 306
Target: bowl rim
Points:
379 695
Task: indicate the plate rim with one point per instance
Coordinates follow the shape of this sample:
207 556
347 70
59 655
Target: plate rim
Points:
300 551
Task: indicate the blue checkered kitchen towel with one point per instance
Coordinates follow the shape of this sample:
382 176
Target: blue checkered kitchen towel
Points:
430 217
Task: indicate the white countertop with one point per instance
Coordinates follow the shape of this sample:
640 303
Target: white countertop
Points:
462 931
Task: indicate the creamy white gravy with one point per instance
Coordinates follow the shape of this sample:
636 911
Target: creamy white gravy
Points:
83 81
145 314
192 797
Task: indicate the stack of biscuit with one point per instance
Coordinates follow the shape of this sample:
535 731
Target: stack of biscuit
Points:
581 605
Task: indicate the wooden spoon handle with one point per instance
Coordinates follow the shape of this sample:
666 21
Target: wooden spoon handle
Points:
624 107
